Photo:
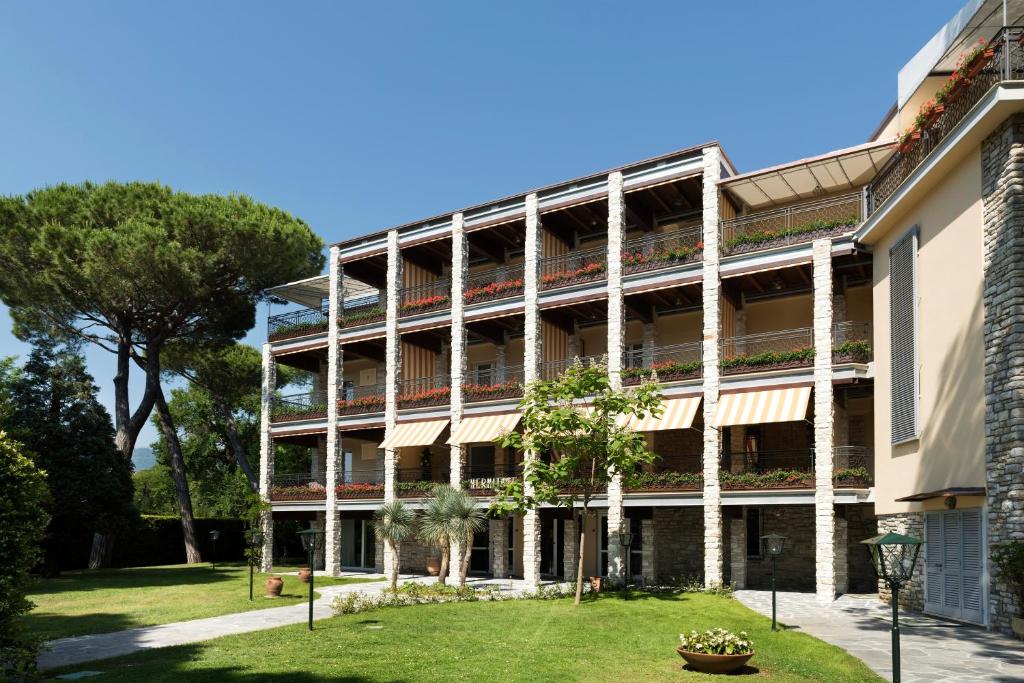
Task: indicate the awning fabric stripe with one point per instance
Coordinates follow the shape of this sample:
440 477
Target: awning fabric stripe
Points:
483 428
761 407
415 433
677 413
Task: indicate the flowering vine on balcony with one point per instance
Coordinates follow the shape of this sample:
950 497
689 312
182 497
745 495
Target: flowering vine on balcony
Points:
495 290
583 274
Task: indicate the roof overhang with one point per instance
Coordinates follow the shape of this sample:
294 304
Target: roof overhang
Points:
944 493
312 291
843 170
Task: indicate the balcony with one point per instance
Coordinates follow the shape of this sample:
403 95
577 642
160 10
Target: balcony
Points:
784 349
423 392
1001 59
494 384
553 369
359 400
307 406
298 487
672 363
297 324
362 311
494 284
433 296
576 267
796 224
486 480
418 482
663 250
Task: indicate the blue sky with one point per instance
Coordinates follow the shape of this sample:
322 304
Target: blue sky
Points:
358 116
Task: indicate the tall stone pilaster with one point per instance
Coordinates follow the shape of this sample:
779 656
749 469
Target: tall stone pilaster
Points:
460 269
392 373
824 494
617 521
841 544
267 388
712 170
738 552
532 355
499 548
570 549
335 378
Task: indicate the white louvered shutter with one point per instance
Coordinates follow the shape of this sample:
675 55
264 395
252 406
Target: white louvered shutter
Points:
903 336
972 565
952 565
933 562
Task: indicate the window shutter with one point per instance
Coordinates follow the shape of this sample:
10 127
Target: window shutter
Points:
973 559
903 336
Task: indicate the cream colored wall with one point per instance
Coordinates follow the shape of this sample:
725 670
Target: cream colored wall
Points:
514 352
593 341
364 458
353 369
678 328
784 313
950 450
634 332
479 353
926 91
858 304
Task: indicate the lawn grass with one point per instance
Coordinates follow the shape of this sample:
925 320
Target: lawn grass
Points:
605 639
79 603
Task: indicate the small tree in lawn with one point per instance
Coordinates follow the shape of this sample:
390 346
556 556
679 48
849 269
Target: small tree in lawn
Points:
394 522
436 525
467 519
578 418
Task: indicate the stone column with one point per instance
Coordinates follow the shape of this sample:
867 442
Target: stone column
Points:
267 387
824 495
392 373
617 521
532 355
570 548
499 548
738 552
647 550
650 339
839 552
460 269
712 170
335 379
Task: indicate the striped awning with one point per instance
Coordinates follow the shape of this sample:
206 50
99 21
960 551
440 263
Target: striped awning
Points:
415 433
761 407
677 413
483 428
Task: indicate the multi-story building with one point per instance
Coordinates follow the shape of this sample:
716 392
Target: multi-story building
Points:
840 341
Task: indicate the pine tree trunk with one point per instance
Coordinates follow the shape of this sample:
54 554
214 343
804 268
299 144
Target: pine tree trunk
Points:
188 529
236 445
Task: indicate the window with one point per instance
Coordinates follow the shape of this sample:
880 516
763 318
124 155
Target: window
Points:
903 337
634 355
347 389
483 373
753 532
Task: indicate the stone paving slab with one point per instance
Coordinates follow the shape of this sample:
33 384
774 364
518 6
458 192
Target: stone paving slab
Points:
930 649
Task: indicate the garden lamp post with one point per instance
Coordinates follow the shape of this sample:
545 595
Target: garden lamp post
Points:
254 538
626 540
894 557
310 542
214 535
774 544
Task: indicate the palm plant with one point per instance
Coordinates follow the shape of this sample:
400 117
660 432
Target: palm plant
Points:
394 522
436 526
467 519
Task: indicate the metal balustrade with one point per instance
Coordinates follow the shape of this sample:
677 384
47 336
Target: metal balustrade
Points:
432 296
663 249
851 343
424 391
576 267
673 363
794 224
493 284
1005 63
307 406
493 383
298 487
297 323
553 369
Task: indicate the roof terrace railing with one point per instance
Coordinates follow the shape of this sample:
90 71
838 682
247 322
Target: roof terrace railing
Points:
795 224
297 323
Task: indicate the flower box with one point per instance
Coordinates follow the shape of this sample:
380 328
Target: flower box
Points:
493 291
768 239
738 366
363 490
362 318
425 305
298 492
428 397
564 278
639 261
372 404
491 392
297 330
314 413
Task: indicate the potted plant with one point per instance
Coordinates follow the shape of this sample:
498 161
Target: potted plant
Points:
716 651
274 586
304 574
1009 561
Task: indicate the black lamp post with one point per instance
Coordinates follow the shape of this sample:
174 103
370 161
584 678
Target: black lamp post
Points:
894 557
626 540
774 544
254 539
310 541
214 535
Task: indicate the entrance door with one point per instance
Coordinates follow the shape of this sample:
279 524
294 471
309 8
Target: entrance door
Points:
552 547
954 564
357 543
480 552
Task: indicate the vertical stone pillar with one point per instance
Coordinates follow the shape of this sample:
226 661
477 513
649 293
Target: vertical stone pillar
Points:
712 170
650 339
267 388
617 521
392 373
499 548
335 378
647 550
460 269
532 355
738 552
840 554
824 495
570 548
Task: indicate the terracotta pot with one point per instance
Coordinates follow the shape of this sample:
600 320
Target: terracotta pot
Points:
714 664
1017 623
433 565
595 584
274 586
305 574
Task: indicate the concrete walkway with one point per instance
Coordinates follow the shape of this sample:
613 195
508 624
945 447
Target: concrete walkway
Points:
68 651
930 649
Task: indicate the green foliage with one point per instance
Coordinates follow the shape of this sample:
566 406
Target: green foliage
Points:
413 593
769 358
1009 561
857 349
23 519
762 236
717 641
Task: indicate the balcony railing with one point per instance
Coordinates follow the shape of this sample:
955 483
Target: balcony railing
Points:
794 224
552 369
433 296
494 384
298 487
362 311
308 406
418 482
673 363
358 400
486 479
851 343
425 391
576 267
494 284
297 323
1003 60
663 250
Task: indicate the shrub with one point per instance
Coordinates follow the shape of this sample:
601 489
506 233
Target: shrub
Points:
1009 561
358 316
717 641
428 594
769 358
